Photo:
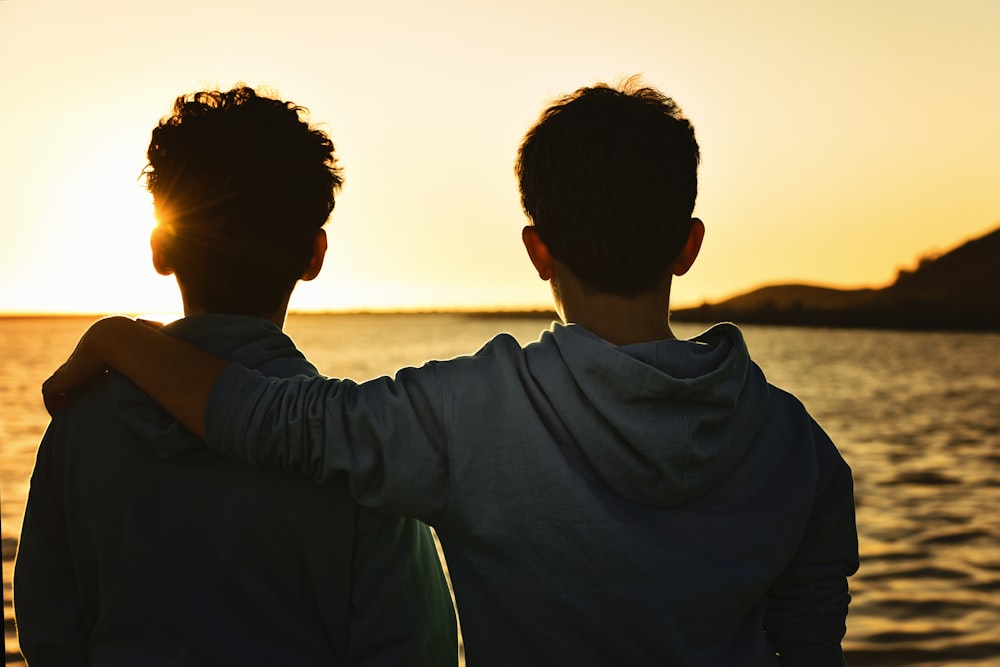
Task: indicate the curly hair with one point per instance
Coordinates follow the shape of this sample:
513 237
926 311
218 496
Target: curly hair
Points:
608 177
241 183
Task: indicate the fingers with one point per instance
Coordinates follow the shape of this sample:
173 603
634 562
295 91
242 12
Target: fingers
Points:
78 372
83 366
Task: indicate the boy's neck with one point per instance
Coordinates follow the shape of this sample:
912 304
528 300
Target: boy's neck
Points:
620 320
277 317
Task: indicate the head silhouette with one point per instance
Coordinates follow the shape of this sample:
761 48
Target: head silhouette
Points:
608 178
241 186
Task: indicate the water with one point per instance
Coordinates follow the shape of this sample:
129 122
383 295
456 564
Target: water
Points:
917 415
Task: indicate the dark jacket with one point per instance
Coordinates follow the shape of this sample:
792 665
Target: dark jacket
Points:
141 547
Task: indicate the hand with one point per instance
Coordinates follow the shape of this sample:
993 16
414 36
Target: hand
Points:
82 368
177 375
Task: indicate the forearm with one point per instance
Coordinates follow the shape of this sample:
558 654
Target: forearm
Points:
387 435
177 375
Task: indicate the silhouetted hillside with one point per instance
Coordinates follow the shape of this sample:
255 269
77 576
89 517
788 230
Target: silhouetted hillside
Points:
957 290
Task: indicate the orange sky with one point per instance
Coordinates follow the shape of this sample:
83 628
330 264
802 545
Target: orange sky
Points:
839 143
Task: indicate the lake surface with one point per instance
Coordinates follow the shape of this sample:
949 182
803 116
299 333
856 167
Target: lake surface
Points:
917 415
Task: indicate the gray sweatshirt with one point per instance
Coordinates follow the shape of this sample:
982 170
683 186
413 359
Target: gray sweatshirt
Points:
655 504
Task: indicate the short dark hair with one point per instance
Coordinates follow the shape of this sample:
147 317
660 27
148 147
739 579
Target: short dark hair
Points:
241 184
609 177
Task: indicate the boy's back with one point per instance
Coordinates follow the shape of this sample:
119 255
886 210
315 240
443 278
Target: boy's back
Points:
141 547
656 503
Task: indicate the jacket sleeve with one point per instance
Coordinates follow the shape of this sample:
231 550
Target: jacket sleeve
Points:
387 434
807 606
48 609
401 607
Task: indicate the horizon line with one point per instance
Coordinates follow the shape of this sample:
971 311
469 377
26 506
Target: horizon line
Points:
430 310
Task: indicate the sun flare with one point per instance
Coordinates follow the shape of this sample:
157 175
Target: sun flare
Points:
97 256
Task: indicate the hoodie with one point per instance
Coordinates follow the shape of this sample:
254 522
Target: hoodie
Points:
142 547
657 503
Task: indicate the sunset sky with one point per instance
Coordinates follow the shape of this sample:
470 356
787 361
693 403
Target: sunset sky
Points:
840 140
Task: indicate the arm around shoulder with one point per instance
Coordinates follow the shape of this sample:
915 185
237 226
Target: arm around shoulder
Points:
388 435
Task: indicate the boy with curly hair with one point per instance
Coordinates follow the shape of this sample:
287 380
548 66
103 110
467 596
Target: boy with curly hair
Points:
141 547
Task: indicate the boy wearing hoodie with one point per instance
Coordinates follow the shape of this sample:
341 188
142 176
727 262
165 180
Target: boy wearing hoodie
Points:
606 495
140 546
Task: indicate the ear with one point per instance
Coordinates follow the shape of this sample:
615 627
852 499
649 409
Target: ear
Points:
156 244
538 252
319 253
691 248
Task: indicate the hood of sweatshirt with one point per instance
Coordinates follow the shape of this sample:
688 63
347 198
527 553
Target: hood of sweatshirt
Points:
661 422
251 341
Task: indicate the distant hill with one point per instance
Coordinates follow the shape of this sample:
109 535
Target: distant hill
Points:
957 290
